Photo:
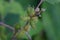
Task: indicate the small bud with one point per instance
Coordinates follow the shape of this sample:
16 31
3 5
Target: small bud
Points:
37 10
43 9
40 16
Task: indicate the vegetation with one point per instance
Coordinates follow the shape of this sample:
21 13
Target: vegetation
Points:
29 19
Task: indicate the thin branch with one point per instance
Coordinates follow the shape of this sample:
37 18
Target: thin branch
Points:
8 26
37 9
39 3
15 33
1 23
28 35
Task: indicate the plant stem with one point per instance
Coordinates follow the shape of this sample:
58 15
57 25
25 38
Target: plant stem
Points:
8 26
39 3
28 35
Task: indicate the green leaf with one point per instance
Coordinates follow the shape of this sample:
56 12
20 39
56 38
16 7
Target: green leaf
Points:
53 1
2 29
51 20
56 19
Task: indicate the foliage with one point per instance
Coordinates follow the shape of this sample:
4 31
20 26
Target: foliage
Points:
18 12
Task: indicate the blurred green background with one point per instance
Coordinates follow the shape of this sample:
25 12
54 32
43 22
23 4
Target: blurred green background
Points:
47 28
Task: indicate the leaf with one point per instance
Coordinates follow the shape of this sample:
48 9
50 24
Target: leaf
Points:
11 19
26 3
38 26
56 20
2 29
51 20
53 1
3 37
